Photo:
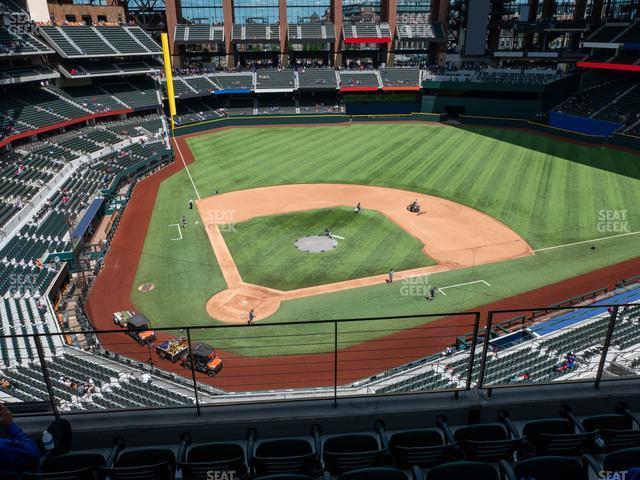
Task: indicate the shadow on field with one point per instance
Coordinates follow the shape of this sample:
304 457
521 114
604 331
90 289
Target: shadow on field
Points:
610 159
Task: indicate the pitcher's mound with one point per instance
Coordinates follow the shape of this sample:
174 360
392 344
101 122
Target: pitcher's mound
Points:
316 244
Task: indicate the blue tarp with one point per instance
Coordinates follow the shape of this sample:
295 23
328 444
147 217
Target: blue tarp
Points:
589 126
88 217
577 316
232 90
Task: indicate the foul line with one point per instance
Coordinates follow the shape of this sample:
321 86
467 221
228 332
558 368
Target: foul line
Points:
179 231
336 236
187 168
441 290
588 241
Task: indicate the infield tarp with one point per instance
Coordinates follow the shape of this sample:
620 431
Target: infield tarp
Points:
588 126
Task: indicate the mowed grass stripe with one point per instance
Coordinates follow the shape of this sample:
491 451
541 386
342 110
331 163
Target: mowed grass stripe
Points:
359 154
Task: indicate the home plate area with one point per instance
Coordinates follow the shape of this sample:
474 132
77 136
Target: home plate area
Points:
234 304
243 302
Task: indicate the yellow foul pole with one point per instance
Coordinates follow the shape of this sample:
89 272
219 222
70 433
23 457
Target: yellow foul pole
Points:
169 76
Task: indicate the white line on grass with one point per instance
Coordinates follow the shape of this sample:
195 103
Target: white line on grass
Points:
587 241
336 236
179 231
441 289
187 169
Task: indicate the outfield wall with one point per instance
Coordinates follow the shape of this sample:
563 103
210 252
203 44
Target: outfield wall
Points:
589 126
301 120
618 139
524 108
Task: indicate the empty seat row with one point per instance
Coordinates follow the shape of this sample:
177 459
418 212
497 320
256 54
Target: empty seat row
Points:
546 449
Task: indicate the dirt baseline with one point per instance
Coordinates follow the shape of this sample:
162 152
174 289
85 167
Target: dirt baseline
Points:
454 235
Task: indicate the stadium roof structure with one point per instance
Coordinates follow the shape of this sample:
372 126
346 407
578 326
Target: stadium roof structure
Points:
101 41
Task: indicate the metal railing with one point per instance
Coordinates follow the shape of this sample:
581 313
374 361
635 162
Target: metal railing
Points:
200 366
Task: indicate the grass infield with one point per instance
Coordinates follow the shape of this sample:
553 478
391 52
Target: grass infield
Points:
549 191
263 248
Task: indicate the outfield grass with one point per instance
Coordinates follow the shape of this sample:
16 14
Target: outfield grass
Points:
550 192
264 252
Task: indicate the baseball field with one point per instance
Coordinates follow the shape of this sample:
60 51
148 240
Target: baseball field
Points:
569 208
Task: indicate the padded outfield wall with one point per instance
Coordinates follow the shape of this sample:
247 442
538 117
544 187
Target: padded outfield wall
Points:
382 104
495 99
254 121
586 125
621 140
517 108
618 139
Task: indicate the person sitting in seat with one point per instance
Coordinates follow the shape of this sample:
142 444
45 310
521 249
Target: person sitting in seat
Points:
521 378
18 453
